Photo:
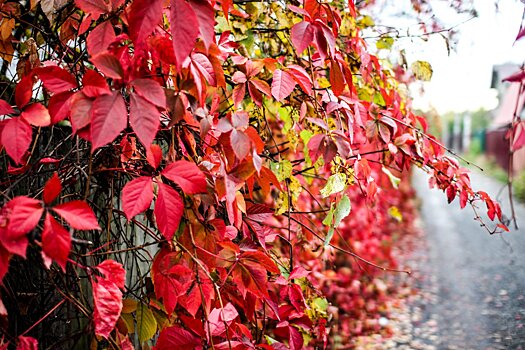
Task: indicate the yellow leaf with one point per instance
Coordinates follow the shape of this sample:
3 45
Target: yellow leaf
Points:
395 213
422 70
146 323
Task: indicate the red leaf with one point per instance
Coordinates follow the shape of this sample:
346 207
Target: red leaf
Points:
16 138
518 139
107 300
238 94
204 67
80 111
56 241
78 215
100 38
37 115
56 79
192 301
60 106
113 271
52 189
5 108
108 119
27 343
137 196
241 144
336 78
154 156
109 65
206 20
169 208
282 85
170 279
301 77
94 7
184 30
151 91
23 214
144 118
302 35
94 84
4 262
24 91
144 16
516 77
187 175
177 338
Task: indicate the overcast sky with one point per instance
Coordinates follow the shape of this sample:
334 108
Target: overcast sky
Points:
462 80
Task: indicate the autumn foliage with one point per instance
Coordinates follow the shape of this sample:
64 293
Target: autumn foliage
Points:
202 174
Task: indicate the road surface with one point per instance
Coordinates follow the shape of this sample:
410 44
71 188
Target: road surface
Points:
475 282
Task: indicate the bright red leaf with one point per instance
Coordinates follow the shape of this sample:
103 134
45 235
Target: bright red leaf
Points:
16 138
100 38
56 79
171 280
59 106
113 271
94 84
27 343
151 91
184 30
23 214
137 196
78 215
107 300
144 118
24 91
36 114
5 108
302 35
169 208
109 117
187 175
144 16
94 7
56 241
109 65
52 189
177 338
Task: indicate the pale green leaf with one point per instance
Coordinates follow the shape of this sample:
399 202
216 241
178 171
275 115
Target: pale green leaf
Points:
342 210
336 183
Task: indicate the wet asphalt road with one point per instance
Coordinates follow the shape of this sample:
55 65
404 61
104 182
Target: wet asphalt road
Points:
477 281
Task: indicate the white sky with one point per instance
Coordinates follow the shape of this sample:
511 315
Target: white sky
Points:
462 80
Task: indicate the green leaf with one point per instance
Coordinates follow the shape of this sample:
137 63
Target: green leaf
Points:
336 183
385 42
329 237
422 70
342 210
146 323
330 216
282 170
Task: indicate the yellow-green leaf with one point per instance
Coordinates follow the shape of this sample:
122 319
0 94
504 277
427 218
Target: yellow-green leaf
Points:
395 213
422 70
146 323
385 42
342 210
336 183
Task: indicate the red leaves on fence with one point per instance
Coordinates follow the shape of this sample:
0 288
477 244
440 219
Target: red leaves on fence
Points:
137 196
171 279
169 208
144 16
108 119
107 296
176 337
187 175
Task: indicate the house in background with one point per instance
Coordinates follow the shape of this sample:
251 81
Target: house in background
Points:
496 141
